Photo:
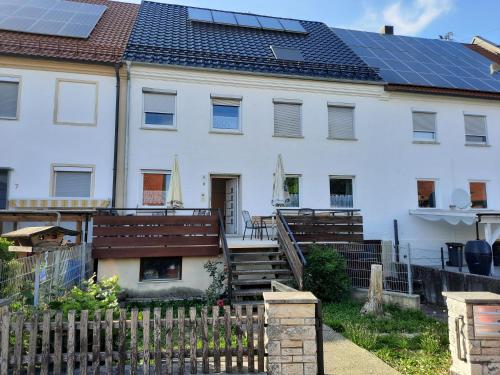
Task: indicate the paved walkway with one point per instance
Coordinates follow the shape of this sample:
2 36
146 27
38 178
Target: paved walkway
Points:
344 357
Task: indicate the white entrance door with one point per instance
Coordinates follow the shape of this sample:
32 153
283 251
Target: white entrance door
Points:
231 206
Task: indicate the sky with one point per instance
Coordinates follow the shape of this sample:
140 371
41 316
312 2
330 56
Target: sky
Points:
425 18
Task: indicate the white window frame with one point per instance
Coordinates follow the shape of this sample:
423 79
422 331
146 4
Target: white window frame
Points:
141 186
479 144
238 98
146 90
353 182
56 102
299 176
342 105
436 191
71 168
486 187
425 141
18 79
298 102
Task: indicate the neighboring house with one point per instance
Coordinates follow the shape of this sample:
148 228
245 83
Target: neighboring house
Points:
60 72
227 92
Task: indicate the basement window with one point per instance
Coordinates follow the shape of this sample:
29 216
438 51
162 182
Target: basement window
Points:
160 269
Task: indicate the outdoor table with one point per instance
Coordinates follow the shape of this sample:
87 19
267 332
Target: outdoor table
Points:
261 220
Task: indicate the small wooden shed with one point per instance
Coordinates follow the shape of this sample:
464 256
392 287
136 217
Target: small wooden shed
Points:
32 239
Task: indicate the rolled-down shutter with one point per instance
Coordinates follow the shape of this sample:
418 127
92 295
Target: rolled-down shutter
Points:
159 103
8 99
287 120
340 122
475 125
227 102
72 184
424 122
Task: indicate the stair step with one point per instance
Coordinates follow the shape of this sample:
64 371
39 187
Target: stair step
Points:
258 262
262 272
250 292
263 253
259 281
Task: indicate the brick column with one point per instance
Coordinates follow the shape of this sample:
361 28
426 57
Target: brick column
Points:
472 352
291 333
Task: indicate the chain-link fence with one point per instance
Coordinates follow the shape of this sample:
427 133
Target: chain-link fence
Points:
40 277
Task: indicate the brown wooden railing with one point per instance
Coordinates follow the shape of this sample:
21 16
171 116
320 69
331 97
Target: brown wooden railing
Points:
161 342
227 256
156 233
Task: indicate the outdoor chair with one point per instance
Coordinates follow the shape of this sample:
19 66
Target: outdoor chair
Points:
252 225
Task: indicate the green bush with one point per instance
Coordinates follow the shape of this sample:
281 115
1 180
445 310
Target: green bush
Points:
92 296
325 274
5 254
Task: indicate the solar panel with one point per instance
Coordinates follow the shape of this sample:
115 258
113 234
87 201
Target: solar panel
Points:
245 20
50 17
224 18
419 61
285 53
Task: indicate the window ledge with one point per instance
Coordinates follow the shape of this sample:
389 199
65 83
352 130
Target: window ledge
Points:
426 143
469 144
9 118
342 139
158 127
212 131
158 281
288 136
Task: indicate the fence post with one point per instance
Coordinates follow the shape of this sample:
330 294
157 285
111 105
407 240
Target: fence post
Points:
36 293
409 273
83 263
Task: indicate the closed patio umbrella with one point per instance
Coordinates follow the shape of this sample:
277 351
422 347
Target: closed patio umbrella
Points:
280 195
174 195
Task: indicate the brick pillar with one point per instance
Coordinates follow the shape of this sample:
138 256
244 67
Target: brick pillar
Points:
474 351
291 333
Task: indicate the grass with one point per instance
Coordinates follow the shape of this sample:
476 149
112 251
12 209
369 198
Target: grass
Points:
407 340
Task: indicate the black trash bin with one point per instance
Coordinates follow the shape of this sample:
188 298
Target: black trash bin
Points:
478 257
496 253
455 251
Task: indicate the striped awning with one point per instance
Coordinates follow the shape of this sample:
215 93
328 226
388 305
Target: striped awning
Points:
58 203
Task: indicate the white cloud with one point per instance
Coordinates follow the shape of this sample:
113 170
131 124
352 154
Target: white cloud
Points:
408 17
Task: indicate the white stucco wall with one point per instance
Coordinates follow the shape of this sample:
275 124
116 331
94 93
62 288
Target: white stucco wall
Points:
384 160
33 142
194 280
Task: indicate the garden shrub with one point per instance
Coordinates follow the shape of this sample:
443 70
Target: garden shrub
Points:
325 274
216 288
5 254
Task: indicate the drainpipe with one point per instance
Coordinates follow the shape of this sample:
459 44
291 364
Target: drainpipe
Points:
117 125
127 131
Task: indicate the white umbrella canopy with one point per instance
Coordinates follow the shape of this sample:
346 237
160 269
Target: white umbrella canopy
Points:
280 195
174 195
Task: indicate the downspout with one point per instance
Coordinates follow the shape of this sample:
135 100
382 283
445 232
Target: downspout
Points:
127 135
117 125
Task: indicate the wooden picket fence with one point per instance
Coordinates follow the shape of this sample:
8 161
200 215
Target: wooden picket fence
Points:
133 342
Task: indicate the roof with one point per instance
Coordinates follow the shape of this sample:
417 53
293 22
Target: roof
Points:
30 231
422 62
106 43
163 34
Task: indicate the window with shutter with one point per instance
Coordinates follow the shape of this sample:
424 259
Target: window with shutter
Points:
9 94
475 129
340 122
287 120
226 114
424 126
159 109
72 184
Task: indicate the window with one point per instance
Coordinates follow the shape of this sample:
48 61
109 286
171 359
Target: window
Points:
341 192
475 129
424 126
76 103
4 179
287 119
226 114
286 53
154 188
426 193
9 95
72 182
160 269
340 122
478 194
292 187
159 108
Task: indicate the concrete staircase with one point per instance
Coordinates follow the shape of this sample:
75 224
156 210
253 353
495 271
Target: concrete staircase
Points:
253 269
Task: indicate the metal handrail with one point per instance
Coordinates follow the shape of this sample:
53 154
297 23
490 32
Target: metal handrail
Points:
227 255
292 238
